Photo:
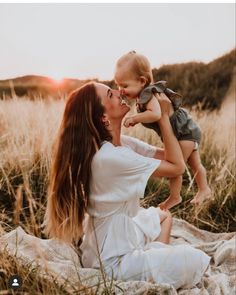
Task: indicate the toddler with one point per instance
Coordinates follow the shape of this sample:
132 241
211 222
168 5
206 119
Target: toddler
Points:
133 75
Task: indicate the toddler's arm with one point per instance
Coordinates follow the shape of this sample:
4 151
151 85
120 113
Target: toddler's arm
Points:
152 114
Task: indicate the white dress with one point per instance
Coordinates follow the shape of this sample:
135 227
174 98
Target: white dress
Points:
120 234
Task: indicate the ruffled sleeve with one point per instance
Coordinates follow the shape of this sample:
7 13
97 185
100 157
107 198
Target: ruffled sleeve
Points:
139 146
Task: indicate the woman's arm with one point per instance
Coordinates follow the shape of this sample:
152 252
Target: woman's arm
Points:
173 163
159 154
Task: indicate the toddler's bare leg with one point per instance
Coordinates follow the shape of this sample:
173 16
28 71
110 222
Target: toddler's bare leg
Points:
199 171
187 147
174 198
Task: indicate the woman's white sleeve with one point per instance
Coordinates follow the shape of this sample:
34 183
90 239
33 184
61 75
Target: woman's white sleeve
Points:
129 172
139 146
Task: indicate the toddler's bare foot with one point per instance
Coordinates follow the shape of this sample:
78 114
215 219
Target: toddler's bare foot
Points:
170 202
201 196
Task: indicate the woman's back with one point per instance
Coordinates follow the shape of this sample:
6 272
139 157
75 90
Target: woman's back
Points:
120 234
119 177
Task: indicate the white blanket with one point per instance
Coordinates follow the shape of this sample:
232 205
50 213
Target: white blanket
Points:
54 257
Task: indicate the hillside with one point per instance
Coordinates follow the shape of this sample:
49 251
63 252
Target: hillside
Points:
202 85
33 86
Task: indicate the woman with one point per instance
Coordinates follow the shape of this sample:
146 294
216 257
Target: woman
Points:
98 171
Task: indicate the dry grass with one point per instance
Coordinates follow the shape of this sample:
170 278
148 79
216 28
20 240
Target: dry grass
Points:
33 282
27 131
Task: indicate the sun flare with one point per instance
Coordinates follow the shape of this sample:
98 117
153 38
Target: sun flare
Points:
57 78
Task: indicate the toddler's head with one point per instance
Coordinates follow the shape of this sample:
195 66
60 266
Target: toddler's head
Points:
133 73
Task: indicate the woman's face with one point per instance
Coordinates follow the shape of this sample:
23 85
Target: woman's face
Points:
115 107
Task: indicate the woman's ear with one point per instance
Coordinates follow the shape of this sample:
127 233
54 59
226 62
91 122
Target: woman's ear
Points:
143 80
104 118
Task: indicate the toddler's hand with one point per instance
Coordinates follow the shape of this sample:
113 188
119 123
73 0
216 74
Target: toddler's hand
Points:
129 121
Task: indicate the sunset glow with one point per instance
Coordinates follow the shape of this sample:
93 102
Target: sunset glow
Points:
57 79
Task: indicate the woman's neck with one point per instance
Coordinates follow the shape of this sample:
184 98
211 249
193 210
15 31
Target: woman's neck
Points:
116 133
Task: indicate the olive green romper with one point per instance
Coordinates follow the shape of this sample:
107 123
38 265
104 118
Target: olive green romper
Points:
184 127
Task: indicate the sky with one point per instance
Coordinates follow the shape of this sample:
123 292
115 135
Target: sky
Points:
83 41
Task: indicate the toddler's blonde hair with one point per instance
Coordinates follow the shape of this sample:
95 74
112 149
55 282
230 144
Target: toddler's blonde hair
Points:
138 65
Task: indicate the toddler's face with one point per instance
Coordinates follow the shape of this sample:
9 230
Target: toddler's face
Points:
128 84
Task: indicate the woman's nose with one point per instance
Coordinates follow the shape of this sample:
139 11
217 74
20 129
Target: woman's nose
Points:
117 92
122 91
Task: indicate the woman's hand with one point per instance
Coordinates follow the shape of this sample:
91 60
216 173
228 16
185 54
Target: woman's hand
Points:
165 103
